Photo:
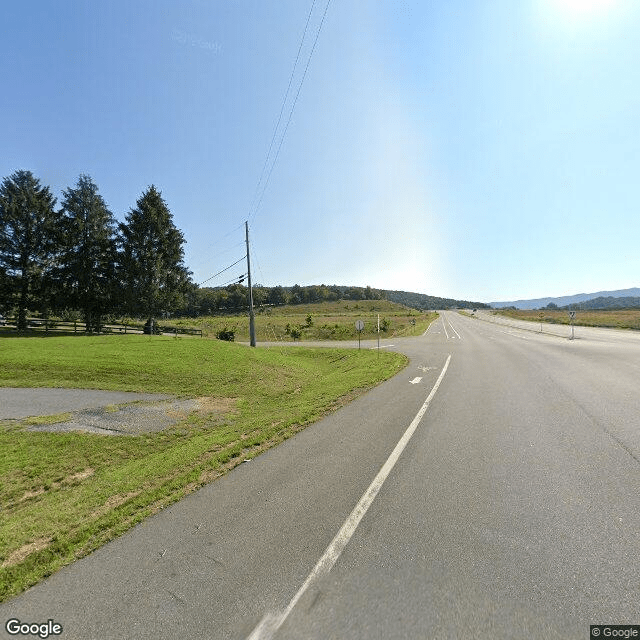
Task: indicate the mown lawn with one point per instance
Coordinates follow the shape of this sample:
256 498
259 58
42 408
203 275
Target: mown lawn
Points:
64 494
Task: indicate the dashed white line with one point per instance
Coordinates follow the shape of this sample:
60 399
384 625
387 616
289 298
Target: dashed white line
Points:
270 623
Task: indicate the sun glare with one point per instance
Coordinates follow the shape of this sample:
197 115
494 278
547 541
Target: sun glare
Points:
585 8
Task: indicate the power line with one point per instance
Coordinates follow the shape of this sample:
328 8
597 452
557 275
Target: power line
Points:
219 242
284 101
219 254
293 106
223 270
239 280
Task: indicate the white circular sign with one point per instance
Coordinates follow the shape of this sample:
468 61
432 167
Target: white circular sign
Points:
359 325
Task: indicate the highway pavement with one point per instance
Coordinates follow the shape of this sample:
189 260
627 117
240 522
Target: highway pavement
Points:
490 490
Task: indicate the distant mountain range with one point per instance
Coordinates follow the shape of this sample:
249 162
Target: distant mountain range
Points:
600 299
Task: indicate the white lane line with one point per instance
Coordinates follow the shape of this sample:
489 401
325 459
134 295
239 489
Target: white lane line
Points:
415 380
445 328
271 622
454 331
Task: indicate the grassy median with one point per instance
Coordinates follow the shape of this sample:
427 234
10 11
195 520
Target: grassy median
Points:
62 495
607 318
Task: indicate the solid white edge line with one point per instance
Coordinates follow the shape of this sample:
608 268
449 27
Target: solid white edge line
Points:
270 623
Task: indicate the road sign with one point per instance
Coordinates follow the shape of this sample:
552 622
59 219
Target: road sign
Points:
359 327
572 315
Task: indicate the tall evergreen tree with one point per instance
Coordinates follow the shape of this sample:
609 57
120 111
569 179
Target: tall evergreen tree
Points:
29 239
153 274
88 269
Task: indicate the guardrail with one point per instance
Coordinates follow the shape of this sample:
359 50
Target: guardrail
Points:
49 326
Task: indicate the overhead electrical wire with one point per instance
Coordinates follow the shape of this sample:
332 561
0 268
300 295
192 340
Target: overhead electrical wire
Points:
239 280
284 102
263 183
219 255
223 270
293 106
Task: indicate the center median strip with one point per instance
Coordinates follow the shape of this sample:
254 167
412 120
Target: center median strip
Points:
271 622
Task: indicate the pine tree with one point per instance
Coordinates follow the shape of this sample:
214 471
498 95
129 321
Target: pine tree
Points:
153 274
88 270
29 242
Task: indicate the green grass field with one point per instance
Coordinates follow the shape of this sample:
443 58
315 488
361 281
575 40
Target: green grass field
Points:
62 495
329 321
616 319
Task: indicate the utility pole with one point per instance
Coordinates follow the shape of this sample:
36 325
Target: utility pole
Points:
252 326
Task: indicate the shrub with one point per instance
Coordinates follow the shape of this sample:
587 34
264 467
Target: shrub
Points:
226 334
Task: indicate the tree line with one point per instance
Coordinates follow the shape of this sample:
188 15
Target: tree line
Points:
77 257
234 297
211 300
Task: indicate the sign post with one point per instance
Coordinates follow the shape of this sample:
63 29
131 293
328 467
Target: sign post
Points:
572 315
541 316
359 328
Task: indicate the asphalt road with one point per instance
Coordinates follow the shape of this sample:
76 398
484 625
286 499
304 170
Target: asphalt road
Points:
512 512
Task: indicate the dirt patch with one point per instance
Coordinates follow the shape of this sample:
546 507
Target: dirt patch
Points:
208 405
113 502
74 478
82 475
20 554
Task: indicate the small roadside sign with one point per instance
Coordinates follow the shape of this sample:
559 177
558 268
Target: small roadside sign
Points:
359 327
572 315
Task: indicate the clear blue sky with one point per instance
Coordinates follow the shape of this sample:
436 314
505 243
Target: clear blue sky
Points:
484 150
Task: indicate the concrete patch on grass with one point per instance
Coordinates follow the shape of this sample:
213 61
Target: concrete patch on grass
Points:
24 402
130 419
135 419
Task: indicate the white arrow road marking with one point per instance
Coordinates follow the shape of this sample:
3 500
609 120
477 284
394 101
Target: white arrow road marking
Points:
271 622
415 380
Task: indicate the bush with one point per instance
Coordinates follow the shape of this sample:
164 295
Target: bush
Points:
226 334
